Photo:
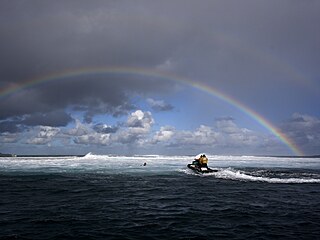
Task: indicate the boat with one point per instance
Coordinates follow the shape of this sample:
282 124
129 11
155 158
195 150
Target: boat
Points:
199 165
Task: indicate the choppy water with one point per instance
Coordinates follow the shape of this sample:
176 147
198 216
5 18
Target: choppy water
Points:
105 197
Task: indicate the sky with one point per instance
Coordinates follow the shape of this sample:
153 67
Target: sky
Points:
160 77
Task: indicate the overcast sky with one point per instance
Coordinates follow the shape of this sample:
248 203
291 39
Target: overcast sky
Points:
263 54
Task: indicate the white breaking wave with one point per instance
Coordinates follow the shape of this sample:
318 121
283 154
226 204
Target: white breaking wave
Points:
228 165
89 154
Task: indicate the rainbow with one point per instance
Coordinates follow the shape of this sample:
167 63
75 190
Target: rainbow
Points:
6 92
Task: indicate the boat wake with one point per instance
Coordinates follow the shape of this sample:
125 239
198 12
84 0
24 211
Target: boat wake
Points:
267 176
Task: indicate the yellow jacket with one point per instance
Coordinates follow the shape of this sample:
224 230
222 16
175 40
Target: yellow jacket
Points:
203 160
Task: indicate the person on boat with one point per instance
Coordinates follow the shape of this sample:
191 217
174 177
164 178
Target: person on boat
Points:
203 161
196 161
200 164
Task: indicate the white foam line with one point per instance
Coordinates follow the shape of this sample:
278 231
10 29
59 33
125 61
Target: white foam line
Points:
237 175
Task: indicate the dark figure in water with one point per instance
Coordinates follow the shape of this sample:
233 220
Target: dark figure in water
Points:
145 164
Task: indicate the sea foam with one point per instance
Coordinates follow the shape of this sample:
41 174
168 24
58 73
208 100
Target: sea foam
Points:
237 168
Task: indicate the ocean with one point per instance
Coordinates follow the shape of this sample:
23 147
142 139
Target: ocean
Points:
116 197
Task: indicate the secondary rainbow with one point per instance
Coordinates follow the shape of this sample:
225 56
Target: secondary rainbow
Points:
6 92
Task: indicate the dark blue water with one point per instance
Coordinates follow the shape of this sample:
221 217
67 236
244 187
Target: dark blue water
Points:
154 206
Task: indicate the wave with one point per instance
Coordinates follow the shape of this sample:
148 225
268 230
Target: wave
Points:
238 168
219 160
238 175
89 155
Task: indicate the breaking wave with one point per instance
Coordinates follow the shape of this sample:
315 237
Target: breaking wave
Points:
236 168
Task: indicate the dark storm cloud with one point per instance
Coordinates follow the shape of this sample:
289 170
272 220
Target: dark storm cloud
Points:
19 124
248 49
9 126
53 119
90 94
159 105
215 39
40 37
304 130
43 36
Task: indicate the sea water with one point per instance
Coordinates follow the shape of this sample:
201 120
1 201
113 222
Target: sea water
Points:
117 197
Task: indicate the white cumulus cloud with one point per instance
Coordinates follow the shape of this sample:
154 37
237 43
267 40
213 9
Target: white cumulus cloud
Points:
163 135
44 136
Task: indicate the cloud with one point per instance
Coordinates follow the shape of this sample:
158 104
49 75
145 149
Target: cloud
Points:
87 134
141 121
227 125
133 131
7 137
231 41
168 65
224 136
203 135
44 136
223 44
304 130
138 126
22 123
159 105
80 129
57 118
93 139
138 131
104 128
77 36
10 126
165 134
101 107
233 135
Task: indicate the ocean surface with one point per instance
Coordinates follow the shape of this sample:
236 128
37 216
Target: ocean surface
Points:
116 197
